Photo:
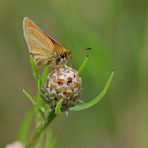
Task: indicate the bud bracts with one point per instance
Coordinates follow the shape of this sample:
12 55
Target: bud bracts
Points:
62 83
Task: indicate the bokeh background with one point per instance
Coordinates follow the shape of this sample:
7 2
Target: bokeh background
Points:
117 31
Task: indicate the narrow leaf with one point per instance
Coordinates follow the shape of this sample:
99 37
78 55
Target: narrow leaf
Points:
41 141
45 73
29 97
24 128
95 100
80 70
58 107
37 107
50 141
34 69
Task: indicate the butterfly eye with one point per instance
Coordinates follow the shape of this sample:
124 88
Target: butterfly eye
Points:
62 56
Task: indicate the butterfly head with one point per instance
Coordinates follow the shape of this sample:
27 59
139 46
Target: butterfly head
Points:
64 58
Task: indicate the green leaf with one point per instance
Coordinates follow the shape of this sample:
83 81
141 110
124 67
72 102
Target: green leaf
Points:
95 100
34 69
42 140
81 68
58 107
45 73
39 109
24 128
29 97
50 141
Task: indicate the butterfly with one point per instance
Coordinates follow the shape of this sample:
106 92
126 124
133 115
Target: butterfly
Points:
44 49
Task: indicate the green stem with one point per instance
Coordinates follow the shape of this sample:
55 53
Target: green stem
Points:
39 130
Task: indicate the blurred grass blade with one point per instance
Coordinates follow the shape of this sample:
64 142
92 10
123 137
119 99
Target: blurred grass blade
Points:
45 73
81 68
95 100
33 102
58 107
24 128
34 69
29 97
50 141
41 141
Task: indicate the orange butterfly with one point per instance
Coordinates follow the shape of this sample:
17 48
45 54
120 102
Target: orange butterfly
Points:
43 48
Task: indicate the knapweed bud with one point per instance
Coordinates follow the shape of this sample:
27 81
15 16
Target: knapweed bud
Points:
62 83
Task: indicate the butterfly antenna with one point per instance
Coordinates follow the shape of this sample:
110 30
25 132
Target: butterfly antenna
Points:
83 49
86 49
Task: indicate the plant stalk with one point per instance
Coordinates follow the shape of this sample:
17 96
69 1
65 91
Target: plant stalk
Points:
39 130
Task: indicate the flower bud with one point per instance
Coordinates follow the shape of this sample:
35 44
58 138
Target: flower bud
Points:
62 83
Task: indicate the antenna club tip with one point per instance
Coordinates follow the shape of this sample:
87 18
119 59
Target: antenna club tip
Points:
89 48
114 69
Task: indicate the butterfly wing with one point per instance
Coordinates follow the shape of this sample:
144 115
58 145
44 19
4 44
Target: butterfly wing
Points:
40 45
58 47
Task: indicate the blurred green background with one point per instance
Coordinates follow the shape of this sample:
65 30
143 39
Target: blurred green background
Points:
117 31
